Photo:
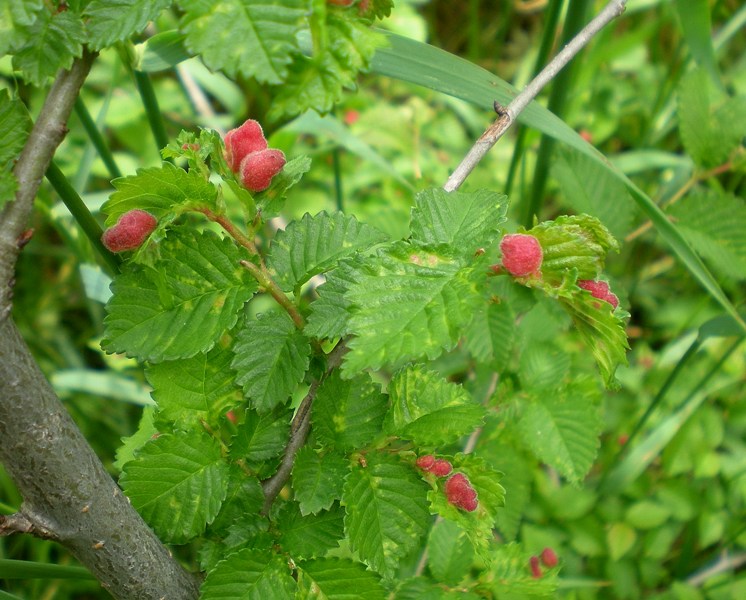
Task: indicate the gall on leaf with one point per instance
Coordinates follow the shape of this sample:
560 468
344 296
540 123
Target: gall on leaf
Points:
242 141
438 467
258 168
522 254
549 558
130 231
600 290
460 493
533 564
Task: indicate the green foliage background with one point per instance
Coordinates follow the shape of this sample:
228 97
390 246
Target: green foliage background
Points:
641 490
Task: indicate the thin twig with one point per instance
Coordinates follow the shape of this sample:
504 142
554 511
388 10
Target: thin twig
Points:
725 563
269 284
508 114
48 131
299 429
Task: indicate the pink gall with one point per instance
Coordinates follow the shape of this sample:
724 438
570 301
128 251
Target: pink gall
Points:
522 254
600 290
258 168
130 231
549 558
242 141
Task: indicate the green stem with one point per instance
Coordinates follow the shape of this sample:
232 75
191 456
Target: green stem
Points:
80 212
150 102
551 19
96 138
558 99
265 281
338 193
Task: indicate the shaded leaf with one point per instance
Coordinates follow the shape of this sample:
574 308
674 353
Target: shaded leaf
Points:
318 479
262 436
250 575
337 579
14 126
309 536
112 21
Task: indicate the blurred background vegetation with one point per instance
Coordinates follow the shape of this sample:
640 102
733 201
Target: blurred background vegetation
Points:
662 514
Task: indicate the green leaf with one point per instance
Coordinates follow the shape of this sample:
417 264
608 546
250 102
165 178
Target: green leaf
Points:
54 39
189 391
165 192
490 336
250 38
329 313
112 21
467 221
590 188
262 436
348 414
14 126
430 410
311 535
271 359
512 578
317 82
177 483
146 430
182 305
318 479
543 365
562 428
160 52
578 242
250 575
694 16
409 302
16 17
715 225
435 69
450 554
478 525
337 579
244 498
386 512
315 244
604 331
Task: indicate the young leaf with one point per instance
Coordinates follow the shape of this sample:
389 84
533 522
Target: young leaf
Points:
244 499
251 38
337 579
54 39
715 225
429 410
315 244
311 535
347 414
317 479
318 82
261 437
271 200
201 388
450 553
182 305
386 512
112 21
15 18
562 428
14 126
409 302
573 242
164 192
250 575
146 430
271 358
466 221
177 483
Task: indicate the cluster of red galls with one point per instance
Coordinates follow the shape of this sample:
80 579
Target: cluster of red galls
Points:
458 489
522 257
247 155
548 558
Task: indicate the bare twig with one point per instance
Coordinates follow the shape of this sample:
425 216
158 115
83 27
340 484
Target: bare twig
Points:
727 562
48 132
298 432
508 114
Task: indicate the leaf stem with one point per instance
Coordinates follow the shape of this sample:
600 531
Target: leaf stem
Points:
265 281
507 115
153 112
